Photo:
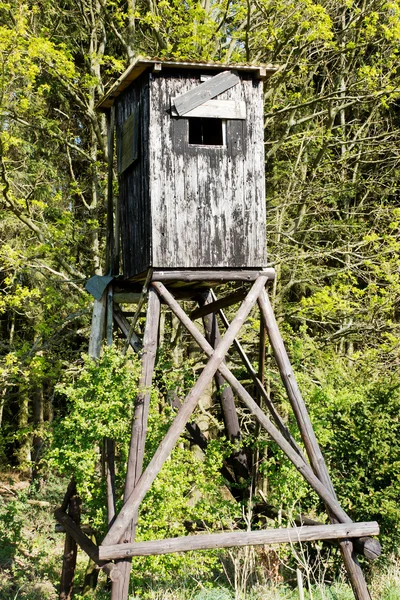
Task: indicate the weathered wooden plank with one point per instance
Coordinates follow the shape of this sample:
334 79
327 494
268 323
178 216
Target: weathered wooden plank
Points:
98 326
291 535
215 109
126 297
129 141
211 275
205 91
164 450
86 544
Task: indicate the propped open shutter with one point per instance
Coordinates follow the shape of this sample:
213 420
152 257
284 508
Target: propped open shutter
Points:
205 91
129 142
216 109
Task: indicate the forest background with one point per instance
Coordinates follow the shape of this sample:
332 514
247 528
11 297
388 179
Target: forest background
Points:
333 216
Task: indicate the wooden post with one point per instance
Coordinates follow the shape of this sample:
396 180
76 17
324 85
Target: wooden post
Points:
164 450
109 327
102 323
353 569
110 455
227 399
256 480
98 326
299 576
139 425
70 551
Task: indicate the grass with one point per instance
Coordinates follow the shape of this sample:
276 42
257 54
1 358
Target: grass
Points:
31 559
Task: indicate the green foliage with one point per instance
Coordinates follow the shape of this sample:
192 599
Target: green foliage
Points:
361 424
100 401
28 551
100 396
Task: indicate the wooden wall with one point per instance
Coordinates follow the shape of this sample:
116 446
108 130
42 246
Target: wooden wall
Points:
135 208
208 203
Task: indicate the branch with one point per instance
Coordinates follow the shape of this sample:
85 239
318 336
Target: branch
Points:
51 134
39 265
14 205
16 210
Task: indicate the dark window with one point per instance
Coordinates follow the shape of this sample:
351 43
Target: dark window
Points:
207 132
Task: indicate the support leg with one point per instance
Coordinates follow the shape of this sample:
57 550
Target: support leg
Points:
227 398
70 552
139 426
98 326
353 569
110 459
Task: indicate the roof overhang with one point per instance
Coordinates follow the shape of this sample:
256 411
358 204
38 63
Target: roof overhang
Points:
142 64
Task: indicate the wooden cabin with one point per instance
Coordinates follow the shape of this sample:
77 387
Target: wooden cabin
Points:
190 155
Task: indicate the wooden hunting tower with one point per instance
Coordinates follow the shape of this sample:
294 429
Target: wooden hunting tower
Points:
190 155
190 216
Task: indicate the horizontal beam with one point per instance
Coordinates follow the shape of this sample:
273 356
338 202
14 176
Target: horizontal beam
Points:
215 109
212 275
126 297
58 528
290 535
217 305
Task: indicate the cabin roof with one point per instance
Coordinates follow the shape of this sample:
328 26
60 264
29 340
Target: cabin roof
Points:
140 65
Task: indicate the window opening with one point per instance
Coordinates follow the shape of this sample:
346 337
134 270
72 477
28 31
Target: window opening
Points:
207 132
